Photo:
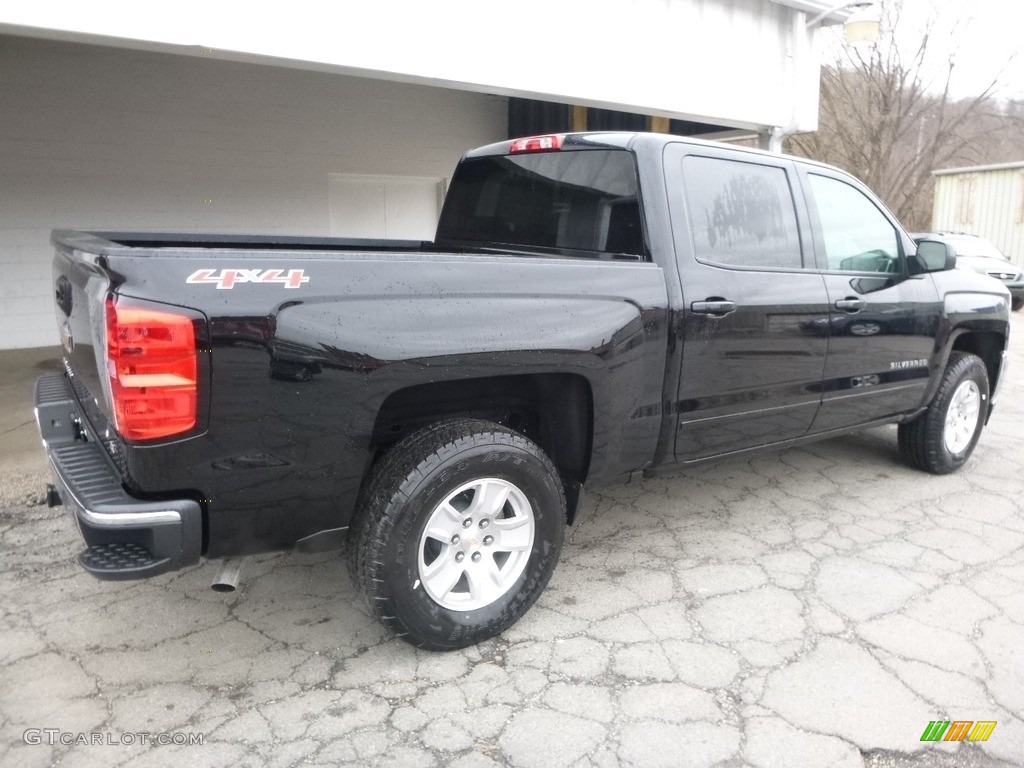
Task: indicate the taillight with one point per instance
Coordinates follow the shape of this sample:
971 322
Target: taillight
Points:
151 362
537 144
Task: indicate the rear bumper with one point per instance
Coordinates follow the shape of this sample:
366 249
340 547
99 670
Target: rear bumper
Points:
126 537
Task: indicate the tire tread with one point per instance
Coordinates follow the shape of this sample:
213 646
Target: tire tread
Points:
399 471
921 440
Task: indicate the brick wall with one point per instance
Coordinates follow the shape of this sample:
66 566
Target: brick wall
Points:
96 137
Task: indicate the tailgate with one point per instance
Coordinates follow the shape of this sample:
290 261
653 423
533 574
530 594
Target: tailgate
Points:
81 284
116 361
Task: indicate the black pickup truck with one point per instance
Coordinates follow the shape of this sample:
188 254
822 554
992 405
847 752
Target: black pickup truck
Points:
593 306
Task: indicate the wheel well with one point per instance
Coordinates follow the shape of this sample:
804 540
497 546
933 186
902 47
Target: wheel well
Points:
987 345
552 409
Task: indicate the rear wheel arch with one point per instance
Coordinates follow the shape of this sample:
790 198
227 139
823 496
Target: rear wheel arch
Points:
554 410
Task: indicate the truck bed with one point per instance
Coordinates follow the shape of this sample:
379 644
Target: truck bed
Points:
317 351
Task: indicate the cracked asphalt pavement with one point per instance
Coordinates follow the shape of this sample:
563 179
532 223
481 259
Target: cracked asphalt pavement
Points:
817 606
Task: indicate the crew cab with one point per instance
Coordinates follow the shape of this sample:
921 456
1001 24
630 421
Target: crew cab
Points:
593 306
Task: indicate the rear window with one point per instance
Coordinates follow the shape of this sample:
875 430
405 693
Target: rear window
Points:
563 201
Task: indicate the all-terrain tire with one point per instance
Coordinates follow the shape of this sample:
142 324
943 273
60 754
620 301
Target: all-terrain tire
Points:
459 529
942 438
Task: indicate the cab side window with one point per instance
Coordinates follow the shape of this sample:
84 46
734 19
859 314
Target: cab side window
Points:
857 237
741 214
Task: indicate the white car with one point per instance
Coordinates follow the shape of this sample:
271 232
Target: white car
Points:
977 254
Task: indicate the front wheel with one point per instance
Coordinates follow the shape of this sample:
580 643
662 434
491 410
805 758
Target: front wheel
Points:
942 438
460 529
1016 303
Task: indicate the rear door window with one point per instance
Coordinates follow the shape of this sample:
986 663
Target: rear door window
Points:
741 213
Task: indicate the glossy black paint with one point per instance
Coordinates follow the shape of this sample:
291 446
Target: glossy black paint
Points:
751 376
298 377
881 347
302 387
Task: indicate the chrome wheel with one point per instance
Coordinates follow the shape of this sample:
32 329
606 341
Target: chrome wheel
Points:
962 417
476 544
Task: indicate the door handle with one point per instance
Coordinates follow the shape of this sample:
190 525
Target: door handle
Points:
851 305
719 307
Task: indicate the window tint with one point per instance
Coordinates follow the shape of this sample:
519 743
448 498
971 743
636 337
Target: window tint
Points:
857 236
741 213
570 200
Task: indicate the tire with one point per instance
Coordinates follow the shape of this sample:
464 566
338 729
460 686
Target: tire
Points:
1016 303
459 530
942 438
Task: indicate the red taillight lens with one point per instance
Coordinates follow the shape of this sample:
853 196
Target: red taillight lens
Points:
151 362
537 144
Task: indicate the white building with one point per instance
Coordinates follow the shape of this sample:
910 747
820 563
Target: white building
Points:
345 118
986 200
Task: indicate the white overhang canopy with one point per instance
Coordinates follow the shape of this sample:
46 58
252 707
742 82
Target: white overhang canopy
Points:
739 63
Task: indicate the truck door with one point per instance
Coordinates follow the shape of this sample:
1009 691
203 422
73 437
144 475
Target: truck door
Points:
755 315
883 320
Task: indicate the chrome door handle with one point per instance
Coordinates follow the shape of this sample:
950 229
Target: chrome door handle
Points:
851 305
713 307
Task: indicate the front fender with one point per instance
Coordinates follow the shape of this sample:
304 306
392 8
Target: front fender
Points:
975 318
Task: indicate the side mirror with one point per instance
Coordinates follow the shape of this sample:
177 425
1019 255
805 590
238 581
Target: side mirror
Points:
935 256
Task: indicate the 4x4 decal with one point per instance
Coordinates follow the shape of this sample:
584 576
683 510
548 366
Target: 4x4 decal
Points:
229 278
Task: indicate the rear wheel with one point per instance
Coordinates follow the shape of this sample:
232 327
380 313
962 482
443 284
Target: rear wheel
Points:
942 438
460 529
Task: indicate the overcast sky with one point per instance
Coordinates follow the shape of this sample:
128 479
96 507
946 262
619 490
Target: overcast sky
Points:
992 41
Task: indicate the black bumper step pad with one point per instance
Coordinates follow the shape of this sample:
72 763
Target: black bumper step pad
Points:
117 557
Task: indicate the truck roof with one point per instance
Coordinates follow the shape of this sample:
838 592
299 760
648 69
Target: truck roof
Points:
630 140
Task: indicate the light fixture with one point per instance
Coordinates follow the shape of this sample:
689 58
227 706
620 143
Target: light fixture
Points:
861 27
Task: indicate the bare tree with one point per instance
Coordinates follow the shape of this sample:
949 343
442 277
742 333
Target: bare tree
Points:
888 116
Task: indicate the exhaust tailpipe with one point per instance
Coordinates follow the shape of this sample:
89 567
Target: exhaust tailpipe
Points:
227 577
